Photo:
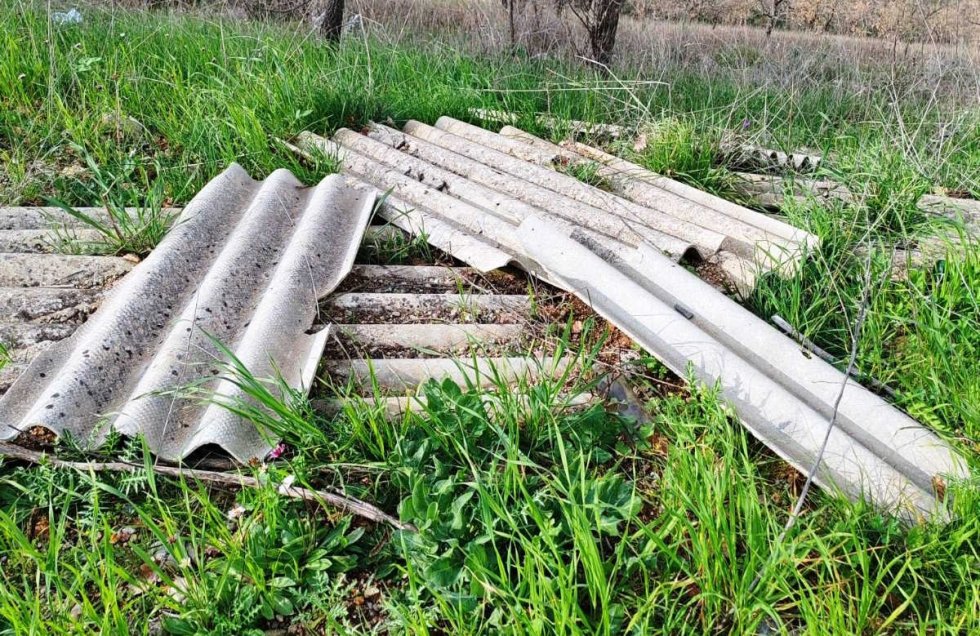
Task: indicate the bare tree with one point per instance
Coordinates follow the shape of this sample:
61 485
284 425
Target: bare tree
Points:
332 22
601 21
774 12
511 7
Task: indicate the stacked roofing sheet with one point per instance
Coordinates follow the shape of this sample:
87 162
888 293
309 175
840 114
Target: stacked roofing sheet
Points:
492 193
773 191
243 266
747 156
41 230
470 188
247 261
44 298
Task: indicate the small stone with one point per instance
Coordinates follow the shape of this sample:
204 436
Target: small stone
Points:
122 536
177 591
236 512
73 171
164 558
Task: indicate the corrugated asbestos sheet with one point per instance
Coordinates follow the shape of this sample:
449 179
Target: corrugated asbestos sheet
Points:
469 189
244 265
247 262
494 193
773 190
783 395
394 326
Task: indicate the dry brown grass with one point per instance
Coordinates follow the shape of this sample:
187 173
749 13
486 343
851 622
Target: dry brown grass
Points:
653 48
943 21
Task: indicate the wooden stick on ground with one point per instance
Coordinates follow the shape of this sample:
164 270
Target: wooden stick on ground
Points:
234 480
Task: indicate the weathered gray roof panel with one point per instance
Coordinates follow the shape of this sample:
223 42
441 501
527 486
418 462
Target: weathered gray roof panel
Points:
500 190
244 265
483 184
784 397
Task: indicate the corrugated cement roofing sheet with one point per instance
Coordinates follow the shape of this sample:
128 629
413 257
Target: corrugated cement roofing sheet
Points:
600 247
787 398
456 178
244 265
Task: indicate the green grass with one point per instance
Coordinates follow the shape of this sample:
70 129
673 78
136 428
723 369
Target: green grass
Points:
208 92
534 518
396 248
586 172
678 149
135 220
921 336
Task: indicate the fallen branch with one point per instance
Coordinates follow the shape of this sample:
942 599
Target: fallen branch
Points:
234 480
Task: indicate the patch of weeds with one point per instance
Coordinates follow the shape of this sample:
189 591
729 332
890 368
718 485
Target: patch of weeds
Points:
499 487
262 567
4 356
468 310
393 246
134 222
887 190
587 172
943 306
738 56
533 517
278 411
113 553
676 149
388 244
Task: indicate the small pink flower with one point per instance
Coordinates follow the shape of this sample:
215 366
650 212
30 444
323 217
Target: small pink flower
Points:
276 452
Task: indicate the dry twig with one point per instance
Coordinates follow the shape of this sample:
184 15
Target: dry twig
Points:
231 480
812 473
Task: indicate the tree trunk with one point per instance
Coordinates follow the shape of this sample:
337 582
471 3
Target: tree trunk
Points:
603 37
333 20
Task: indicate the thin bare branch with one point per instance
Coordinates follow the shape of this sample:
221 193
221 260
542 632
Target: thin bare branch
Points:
230 480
